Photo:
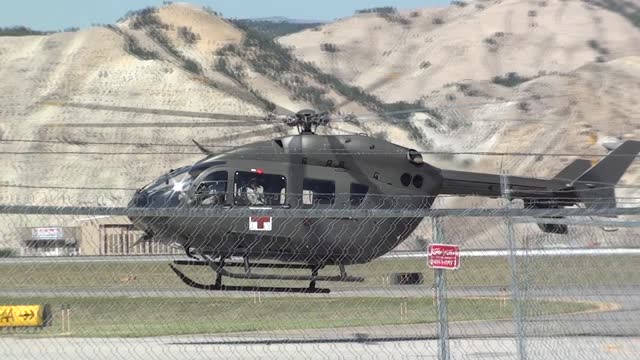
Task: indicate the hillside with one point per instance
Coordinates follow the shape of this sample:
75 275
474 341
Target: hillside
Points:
506 76
184 58
173 58
407 55
571 113
177 58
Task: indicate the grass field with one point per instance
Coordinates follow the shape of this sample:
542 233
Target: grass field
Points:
135 317
489 271
151 315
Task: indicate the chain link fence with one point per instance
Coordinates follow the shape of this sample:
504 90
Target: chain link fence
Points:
519 293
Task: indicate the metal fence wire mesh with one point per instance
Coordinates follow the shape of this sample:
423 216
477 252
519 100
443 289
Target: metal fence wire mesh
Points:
520 293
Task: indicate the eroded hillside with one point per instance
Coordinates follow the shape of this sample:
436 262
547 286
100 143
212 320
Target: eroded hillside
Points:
537 89
405 55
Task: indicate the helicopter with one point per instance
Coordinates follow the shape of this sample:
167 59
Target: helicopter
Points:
313 171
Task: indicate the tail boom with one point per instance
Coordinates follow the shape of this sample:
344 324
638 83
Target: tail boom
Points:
579 182
539 191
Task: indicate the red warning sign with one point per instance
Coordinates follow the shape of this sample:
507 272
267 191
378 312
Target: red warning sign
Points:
442 256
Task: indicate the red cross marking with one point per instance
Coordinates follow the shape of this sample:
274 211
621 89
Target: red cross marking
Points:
261 220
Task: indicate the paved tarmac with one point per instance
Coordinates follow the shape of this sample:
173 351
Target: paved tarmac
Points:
199 347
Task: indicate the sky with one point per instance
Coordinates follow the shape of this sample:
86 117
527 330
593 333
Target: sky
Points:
60 14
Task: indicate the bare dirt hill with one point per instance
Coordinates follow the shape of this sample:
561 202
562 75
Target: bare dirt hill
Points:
505 76
573 113
406 55
181 57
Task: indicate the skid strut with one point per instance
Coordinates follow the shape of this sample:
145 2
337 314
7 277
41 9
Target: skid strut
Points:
219 266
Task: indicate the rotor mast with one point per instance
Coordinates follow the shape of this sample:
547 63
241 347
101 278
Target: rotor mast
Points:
307 121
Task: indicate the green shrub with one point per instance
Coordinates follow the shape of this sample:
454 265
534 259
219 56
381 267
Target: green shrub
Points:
133 48
21 31
378 10
210 11
192 66
146 18
328 47
7 252
187 35
510 79
272 30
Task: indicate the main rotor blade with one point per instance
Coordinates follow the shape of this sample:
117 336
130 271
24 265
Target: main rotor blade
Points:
247 134
162 112
283 110
198 124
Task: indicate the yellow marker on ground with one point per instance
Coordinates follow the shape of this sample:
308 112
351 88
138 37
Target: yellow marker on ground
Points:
22 316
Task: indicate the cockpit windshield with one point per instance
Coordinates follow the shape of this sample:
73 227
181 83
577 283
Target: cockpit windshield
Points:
212 190
169 189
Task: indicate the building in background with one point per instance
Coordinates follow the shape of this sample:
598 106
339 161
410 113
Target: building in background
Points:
49 241
99 235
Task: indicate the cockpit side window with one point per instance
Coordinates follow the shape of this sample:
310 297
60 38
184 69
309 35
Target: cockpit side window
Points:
257 189
212 190
316 191
358 193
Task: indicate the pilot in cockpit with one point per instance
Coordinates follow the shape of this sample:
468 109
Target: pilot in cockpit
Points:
213 193
255 193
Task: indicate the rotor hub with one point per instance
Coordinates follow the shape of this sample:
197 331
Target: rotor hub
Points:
307 121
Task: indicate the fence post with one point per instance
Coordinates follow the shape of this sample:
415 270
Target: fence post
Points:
516 297
441 297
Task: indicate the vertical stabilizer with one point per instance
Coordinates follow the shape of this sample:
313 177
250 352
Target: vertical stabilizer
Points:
596 185
573 170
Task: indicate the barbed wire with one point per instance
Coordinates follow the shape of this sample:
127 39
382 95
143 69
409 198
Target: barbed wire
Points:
549 191
328 152
258 118
54 187
247 211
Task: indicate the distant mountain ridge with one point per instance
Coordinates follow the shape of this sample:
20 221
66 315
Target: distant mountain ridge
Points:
280 19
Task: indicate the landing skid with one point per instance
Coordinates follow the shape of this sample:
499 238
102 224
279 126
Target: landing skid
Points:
216 287
219 268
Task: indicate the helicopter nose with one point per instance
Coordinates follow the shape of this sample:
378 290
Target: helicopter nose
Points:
140 199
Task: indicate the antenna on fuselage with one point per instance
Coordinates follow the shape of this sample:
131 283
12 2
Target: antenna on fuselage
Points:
203 149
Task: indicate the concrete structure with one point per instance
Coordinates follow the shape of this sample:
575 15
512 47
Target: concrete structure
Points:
49 241
99 235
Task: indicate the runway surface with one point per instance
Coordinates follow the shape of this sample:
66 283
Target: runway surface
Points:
198 347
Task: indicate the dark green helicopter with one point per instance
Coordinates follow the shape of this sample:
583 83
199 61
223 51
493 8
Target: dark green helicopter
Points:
312 171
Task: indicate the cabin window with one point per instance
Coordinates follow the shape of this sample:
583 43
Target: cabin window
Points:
212 190
358 193
315 191
257 189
